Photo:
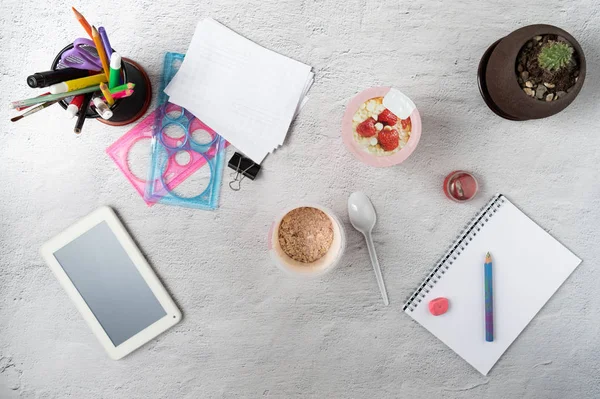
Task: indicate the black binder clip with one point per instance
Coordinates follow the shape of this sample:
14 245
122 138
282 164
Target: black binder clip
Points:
243 167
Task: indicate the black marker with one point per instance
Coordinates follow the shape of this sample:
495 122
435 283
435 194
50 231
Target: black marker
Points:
45 79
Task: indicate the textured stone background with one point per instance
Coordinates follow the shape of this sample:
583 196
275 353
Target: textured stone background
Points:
249 331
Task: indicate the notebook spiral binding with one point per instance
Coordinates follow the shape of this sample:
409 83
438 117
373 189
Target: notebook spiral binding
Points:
462 241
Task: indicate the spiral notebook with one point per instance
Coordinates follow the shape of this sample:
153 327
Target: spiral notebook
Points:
529 266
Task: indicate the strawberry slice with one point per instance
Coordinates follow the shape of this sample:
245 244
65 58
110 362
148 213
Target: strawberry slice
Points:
388 139
367 128
406 123
387 118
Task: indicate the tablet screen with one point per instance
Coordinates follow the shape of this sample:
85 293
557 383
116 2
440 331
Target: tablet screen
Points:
109 283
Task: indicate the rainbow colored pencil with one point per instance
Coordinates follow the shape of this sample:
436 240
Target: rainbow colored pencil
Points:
489 299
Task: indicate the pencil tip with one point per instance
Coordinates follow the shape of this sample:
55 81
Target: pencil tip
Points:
77 130
488 257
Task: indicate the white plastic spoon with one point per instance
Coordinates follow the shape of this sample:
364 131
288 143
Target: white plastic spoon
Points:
363 218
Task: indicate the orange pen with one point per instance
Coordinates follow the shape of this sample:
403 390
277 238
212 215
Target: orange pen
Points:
83 22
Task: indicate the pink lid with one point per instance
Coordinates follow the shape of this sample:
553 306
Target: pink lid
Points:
368 149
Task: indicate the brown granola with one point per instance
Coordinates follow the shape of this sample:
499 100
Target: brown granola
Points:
305 234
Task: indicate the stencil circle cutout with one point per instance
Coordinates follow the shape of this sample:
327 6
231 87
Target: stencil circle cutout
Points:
173 135
138 158
200 134
183 157
173 112
188 189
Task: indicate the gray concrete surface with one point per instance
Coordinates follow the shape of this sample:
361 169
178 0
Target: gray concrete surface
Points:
249 331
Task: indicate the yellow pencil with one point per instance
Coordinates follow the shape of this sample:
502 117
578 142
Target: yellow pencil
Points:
100 49
109 98
77 84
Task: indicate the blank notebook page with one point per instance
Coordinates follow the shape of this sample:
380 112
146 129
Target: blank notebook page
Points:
529 265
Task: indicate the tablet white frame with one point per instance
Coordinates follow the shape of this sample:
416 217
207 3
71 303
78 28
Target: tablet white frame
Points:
106 214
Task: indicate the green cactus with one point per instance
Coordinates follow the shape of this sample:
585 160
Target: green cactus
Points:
555 56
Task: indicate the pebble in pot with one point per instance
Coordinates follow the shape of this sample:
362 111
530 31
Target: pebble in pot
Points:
534 72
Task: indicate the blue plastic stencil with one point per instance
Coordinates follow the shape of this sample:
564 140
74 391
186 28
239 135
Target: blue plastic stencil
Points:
182 145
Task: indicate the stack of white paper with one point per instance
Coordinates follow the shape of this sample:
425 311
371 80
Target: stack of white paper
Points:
246 93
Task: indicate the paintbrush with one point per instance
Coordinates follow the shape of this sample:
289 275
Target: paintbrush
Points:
34 110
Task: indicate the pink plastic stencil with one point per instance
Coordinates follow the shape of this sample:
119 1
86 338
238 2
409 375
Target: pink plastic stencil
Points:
175 172
119 151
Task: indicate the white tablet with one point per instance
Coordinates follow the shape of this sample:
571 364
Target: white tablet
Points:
112 285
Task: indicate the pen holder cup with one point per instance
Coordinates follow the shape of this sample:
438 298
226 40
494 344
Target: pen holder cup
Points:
125 110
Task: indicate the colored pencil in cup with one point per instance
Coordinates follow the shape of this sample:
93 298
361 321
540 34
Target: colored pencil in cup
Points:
105 41
489 299
123 94
107 95
120 94
83 22
126 86
101 52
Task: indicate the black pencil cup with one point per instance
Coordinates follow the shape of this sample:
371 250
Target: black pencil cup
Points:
125 110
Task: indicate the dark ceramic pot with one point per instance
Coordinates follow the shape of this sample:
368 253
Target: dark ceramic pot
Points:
498 80
126 110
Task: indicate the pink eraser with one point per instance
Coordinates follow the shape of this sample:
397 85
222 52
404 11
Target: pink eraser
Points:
438 306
